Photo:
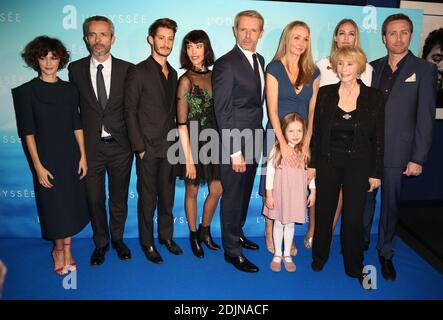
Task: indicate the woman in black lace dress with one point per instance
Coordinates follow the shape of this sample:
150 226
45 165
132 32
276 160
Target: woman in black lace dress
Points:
195 113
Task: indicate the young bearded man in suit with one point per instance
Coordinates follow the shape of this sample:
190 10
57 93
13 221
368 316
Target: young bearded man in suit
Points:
100 79
238 84
150 115
408 84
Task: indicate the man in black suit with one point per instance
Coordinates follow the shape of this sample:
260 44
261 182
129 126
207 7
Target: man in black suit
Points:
100 79
150 115
408 84
238 83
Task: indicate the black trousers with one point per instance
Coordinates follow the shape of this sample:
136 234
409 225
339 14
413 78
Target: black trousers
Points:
341 171
237 189
156 189
116 161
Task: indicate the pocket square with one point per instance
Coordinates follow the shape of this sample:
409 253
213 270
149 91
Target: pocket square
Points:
412 78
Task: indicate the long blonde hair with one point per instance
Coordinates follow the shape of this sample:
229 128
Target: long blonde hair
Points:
306 64
288 119
357 44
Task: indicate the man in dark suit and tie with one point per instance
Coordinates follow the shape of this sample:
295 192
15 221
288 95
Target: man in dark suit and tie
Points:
238 84
409 87
100 79
150 114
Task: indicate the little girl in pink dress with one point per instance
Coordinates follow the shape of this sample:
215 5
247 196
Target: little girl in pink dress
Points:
286 191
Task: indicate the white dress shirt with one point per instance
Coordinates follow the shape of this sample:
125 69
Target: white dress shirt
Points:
106 71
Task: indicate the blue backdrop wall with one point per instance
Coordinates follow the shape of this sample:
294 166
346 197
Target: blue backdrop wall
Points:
22 20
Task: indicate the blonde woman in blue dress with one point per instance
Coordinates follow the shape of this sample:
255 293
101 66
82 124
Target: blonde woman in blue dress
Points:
292 81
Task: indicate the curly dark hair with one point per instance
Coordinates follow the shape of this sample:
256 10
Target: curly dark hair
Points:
196 36
40 47
434 37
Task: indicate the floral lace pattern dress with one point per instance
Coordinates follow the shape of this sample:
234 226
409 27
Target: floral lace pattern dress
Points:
195 108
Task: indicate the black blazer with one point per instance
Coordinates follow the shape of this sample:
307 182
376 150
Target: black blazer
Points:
148 116
368 130
92 114
409 111
236 102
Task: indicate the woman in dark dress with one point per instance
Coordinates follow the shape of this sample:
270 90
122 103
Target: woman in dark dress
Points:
195 109
48 123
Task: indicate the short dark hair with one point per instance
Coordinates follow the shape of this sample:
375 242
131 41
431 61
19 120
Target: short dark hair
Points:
96 18
394 17
196 36
162 23
40 47
435 37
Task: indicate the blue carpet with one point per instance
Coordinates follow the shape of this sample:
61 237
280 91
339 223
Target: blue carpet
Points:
30 275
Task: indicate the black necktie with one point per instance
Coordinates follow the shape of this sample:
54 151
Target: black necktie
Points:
257 73
101 89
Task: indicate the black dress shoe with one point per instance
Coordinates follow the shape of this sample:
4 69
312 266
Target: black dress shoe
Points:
98 256
241 263
317 266
206 238
122 249
171 246
152 254
197 250
248 244
387 269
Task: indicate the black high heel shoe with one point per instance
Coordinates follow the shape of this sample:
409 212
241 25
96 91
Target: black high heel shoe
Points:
197 250
206 238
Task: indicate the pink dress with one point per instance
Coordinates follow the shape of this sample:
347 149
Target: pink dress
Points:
290 195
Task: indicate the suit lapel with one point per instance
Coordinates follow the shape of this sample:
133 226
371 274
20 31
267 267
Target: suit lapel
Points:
405 72
247 64
158 76
172 73
244 60
87 76
114 76
262 64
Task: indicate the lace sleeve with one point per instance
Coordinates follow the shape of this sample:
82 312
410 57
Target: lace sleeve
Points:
184 87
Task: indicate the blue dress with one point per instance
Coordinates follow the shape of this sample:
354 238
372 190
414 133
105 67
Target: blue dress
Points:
288 101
